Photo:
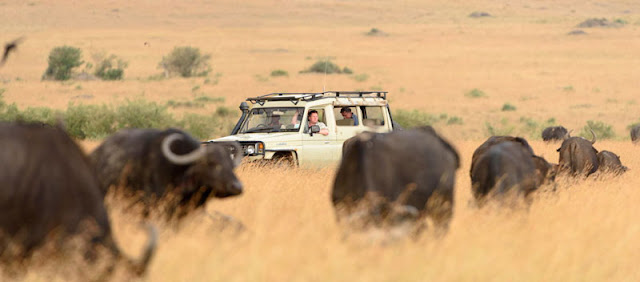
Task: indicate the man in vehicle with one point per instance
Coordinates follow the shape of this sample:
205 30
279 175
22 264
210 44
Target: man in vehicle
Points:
275 121
313 120
347 114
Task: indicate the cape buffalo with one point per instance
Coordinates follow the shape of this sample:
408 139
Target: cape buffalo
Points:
503 167
635 134
610 162
409 172
167 164
545 172
578 156
554 133
48 187
493 140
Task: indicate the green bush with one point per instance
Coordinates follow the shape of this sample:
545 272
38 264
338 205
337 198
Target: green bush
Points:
143 114
109 68
361 77
409 119
99 121
89 121
475 93
455 120
629 127
186 62
532 128
62 60
217 124
208 99
508 107
498 130
323 66
39 114
279 73
601 129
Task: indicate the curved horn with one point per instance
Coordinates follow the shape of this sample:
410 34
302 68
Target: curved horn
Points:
568 135
593 141
180 159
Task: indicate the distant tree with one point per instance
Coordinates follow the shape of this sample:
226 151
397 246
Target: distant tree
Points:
186 62
62 60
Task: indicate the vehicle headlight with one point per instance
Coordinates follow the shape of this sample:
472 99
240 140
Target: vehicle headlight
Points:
250 150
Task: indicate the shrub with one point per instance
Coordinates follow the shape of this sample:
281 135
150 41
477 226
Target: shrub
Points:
89 121
279 73
601 129
322 66
223 111
361 77
475 93
186 62
143 114
455 120
347 70
504 129
62 60
109 68
409 119
533 129
375 32
508 107
217 124
207 99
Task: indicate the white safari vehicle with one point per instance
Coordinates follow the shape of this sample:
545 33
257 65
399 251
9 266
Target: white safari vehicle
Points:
275 127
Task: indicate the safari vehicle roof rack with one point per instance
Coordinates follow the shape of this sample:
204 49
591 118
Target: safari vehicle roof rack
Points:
297 97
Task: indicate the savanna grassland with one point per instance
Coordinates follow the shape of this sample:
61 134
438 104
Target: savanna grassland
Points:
430 57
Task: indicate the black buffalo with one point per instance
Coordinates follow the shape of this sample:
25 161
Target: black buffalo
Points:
166 164
408 172
554 133
494 140
635 134
578 156
504 167
610 162
50 191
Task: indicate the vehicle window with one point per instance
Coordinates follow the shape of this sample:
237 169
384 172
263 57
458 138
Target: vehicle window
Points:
272 120
345 116
372 116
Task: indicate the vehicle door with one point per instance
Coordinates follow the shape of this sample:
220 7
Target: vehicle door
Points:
319 150
347 127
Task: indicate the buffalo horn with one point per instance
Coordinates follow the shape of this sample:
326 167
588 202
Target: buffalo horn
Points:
593 141
180 159
568 135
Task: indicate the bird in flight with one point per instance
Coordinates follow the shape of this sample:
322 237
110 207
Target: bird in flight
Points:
8 48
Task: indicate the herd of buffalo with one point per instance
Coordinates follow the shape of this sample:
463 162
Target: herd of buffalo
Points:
52 189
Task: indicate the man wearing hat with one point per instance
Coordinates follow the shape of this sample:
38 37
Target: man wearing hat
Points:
347 114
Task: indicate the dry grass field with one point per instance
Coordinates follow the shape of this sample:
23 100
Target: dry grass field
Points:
431 55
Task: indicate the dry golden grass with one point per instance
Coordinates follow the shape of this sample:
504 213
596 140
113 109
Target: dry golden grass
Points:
433 54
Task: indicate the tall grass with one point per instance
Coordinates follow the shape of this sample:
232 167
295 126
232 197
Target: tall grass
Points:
584 231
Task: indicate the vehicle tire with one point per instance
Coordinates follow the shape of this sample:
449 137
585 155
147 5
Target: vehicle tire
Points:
284 159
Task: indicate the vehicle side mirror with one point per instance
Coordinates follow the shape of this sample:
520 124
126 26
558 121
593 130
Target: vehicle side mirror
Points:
314 129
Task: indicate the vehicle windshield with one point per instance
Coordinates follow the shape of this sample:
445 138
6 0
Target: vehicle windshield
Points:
273 120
